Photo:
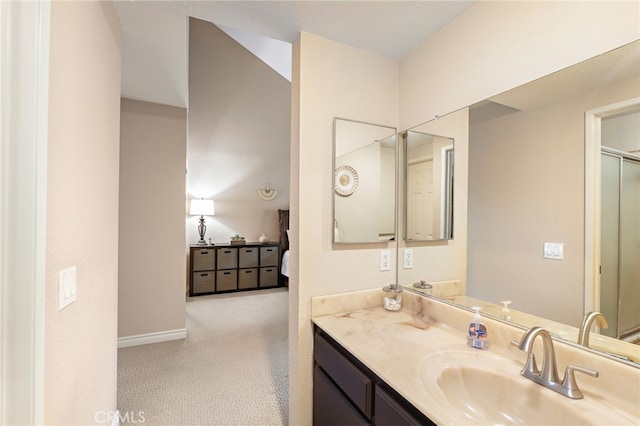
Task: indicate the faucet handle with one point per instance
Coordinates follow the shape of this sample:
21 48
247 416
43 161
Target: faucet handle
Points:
569 382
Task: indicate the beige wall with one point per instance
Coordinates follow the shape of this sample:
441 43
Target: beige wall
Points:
334 80
526 186
239 132
498 45
152 265
82 211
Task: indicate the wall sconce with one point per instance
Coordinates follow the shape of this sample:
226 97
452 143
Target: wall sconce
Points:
201 208
267 194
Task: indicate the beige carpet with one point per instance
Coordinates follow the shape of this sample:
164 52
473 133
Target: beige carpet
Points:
232 369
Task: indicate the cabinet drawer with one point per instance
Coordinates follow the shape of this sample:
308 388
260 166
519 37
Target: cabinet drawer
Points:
204 259
389 412
330 408
269 277
269 256
204 282
248 278
248 257
355 384
227 280
227 258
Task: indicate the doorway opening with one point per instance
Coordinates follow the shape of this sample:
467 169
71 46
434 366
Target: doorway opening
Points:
597 234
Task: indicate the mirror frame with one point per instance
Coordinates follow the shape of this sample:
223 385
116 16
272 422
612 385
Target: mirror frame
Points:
351 174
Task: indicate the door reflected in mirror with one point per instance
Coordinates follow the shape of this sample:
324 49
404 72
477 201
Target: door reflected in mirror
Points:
428 171
364 182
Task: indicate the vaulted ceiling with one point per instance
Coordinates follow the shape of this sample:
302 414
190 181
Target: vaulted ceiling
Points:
155 33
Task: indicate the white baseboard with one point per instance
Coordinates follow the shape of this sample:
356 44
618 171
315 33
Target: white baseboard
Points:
157 337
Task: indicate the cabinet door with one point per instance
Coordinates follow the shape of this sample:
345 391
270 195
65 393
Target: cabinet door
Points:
330 408
356 385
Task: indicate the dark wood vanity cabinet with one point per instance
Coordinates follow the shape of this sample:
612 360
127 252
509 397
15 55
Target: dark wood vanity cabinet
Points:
346 392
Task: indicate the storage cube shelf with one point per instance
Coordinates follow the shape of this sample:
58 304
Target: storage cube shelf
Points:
227 268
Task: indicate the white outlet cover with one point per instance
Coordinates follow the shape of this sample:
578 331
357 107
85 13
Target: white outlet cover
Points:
385 260
407 257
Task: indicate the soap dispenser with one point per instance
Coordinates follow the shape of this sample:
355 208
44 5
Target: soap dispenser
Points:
478 337
506 314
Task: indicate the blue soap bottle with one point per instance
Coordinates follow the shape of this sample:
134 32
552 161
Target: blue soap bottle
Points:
477 337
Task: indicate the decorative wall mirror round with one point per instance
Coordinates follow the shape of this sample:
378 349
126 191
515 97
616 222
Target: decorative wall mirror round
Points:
346 180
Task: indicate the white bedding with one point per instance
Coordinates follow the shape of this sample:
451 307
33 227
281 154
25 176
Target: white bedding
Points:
285 264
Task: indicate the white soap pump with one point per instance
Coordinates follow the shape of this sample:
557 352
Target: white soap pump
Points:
506 314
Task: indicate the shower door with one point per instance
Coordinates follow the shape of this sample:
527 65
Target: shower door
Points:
620 243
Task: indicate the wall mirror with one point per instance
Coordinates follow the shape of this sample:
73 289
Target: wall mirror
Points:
535 179
428 186
364 182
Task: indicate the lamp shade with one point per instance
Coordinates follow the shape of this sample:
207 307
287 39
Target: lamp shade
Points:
201 208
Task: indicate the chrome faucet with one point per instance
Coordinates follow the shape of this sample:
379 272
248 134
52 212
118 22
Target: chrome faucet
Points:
548 376
549 373
585 328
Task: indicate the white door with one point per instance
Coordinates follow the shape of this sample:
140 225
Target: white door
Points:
420 200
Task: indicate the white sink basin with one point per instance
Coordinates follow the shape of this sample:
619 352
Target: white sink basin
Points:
481 388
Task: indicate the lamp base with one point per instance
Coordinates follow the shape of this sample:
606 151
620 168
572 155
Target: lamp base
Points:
202 230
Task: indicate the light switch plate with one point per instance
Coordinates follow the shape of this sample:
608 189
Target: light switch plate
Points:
67 287
553 251
385 260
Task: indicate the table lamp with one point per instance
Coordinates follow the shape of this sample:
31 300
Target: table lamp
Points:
201 208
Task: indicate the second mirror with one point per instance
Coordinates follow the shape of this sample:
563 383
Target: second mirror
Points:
428 186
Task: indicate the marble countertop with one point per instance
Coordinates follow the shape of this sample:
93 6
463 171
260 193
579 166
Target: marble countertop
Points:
394 346
562 331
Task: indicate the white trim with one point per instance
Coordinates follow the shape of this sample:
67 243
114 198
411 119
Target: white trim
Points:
24 103
592 172
157 337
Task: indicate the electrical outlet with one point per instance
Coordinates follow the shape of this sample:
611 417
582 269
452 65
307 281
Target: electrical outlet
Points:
385 260
407 258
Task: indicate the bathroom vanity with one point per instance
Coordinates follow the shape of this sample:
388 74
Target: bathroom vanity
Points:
372 366
347 392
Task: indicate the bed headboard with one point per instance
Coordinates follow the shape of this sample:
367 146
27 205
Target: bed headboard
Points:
283 222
